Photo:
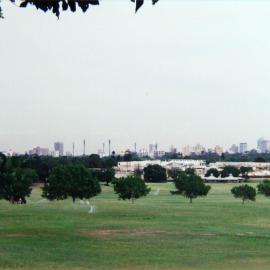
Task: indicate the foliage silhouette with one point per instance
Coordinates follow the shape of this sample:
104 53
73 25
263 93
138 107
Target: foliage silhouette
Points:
130 188
264 188
75 181
15 182
190 186
56 6
244 192
155 174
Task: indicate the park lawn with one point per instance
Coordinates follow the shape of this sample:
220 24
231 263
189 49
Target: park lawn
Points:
160 231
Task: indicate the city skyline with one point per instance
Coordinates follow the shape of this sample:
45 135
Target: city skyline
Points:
59 148
200 77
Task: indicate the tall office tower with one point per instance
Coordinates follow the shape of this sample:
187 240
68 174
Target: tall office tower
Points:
234 149
84 143
153 148
259 143
59 147
218 150
198 149
243 147
173 149
265 146
186 150
39 151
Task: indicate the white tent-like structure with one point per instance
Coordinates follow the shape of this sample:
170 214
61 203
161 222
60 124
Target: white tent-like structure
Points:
229 179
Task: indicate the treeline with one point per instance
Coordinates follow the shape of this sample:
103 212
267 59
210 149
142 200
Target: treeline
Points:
251 156
230 170
69 180
76 181
43 165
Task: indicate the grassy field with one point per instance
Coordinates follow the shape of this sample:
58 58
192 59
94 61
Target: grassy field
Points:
157 232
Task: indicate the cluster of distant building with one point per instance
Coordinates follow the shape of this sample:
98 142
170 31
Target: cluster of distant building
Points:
153 151
259 169
42 151
263 146
57 152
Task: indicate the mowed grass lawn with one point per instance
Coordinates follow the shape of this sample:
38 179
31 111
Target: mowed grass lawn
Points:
157 232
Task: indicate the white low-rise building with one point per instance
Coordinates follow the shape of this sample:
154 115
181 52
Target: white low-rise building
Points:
254 165
229 179
259 174
125 168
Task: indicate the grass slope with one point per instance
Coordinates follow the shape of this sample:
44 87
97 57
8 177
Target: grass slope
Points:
157 232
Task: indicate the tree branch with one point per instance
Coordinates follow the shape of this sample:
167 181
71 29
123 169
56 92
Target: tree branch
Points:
57 6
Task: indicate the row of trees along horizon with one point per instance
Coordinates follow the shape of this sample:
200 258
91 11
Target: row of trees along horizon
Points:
209 157
79 182
43 165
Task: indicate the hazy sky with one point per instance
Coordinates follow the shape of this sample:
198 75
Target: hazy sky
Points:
179 73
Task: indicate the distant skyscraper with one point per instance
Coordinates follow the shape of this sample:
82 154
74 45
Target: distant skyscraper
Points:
142 153
39 151
173 149
218 150
234 149
263 145
243 147
259 143
153 149
59 147
198 149
186 150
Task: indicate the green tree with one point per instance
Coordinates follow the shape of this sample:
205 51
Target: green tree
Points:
155 174
213 172
138 172
264 188
127 156
109 162
190 186
104 175
42 165
15 184
244 171
94 161
244 192
75 181
130 188
3 161
230 170
190 171
260 159
173 173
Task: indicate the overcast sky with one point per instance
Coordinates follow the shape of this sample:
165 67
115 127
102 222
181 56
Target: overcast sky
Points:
182 72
